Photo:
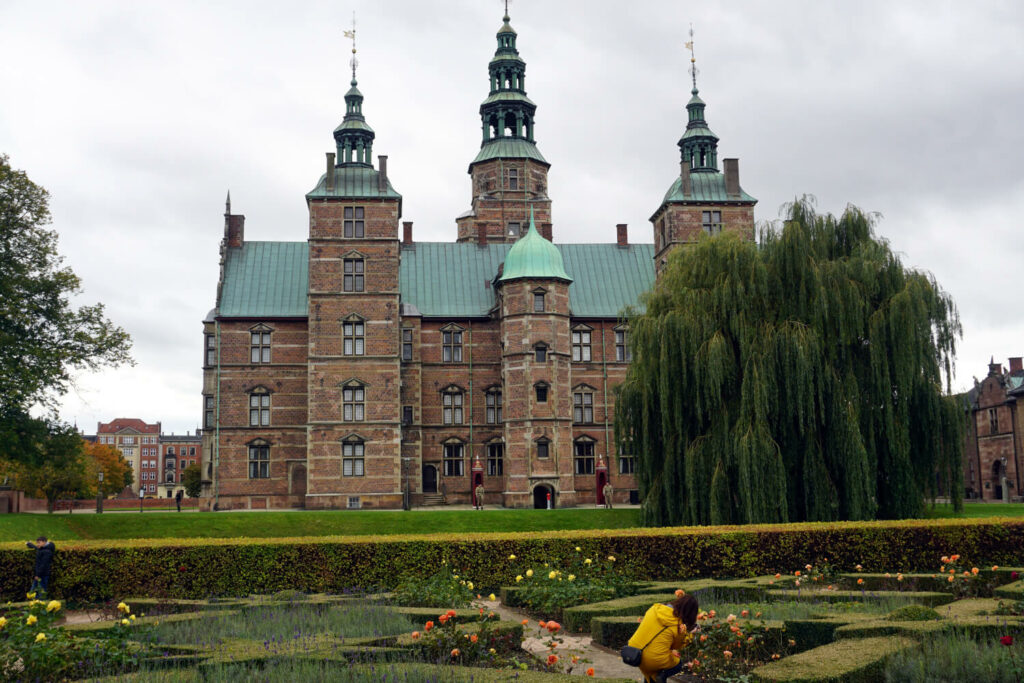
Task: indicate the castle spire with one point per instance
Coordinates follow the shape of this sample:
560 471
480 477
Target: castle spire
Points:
354 137
698 146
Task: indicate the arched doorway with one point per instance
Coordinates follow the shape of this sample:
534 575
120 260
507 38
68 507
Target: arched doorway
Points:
297 486
997 480
540 496
429 479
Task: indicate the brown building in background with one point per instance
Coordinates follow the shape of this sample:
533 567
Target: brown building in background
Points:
362 368
994 450
138 442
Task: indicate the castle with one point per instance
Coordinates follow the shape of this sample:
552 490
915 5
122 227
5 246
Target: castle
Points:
365 369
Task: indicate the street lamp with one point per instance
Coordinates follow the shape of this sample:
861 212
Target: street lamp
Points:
99 492
142 494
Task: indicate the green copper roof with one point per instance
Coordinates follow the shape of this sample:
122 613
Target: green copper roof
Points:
698 132
532 256
357 182
265 280
441 279
507 96
707 187
353 124
509 148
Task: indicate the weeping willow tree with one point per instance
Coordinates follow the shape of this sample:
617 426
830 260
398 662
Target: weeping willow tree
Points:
802 378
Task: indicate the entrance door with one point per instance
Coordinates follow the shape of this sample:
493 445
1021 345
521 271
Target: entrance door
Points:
540 497
429 479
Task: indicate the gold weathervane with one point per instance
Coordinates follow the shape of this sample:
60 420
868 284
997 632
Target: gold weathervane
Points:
352 35
693 59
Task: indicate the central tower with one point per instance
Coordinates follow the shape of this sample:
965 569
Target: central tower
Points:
510 176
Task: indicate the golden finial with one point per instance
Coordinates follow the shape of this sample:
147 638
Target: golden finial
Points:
693 60
352 35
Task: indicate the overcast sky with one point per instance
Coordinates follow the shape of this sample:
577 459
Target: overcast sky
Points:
139 116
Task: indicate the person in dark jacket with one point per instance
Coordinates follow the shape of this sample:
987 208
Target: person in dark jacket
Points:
177 498
44 561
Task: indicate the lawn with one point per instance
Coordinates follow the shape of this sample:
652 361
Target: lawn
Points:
976 510
59 526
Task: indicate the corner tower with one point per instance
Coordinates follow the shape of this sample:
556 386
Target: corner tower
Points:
509 175
702 200
352 458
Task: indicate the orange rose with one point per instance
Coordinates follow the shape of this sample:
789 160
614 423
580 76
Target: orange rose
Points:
427 626
525 622
450 613
543 624
415 635
443 618
552 660
473 638
590 672
680 592
455 652
553 626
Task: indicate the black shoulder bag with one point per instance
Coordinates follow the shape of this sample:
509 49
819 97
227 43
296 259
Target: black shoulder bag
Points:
632 655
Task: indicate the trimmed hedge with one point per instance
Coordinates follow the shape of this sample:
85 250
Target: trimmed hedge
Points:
198 568
845 661
924 598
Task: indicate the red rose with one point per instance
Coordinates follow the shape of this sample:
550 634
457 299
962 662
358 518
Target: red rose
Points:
1006 640
182 568
1014 575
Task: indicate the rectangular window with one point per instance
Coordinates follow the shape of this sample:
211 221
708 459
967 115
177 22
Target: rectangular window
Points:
538 302
582 407
259 347
711 222
583 452
352 458
542 449
353 275
354 221
209 412
495 459
453 465
259 462
451 346
191 450
353 338
353 403
131 439
354 503
211 349
407 415
493 407
581 346
627 464
993 421
451 404
622 352
540 353
513 179
513 229
542 393
259 410
406 344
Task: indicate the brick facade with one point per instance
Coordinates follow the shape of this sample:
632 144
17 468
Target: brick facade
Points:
993 467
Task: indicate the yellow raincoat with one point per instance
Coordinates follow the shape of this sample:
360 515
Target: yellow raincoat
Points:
661 625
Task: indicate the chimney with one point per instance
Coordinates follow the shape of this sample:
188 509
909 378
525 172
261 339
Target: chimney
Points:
1015 364
481 234
382 176
732 177
329 182
621 236
684 173
407 232
545 231
234 230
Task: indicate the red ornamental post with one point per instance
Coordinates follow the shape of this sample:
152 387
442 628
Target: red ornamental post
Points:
601 473
477 477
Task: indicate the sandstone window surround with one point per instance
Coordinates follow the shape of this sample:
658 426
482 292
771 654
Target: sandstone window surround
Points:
353 275
513 178
454 463
259 407
353 401
451 405
493 401
259 459
583 404
541 391
353 456
543 446
407 343
451 344
540 353
583 455
211 349
622 352
354 222
259 344
495 459
581 344
353 333
209 412
538 300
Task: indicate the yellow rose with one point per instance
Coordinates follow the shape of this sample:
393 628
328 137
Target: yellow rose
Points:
611 558
455 575
40 637
552 574
31 619
519 578
53 606
493 651
132 617
3 622
572 577
121 607
124 622
529 573
30 596
492 597
512 557
577 549
587 561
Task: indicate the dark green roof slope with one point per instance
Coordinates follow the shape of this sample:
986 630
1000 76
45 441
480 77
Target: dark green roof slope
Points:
266 280
707 187
441 279
357 182
509 148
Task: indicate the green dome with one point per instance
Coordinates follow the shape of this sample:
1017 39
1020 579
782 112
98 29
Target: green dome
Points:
534 257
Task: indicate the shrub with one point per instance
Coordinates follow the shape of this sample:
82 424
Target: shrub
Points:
578 580
726 646
913 613
443 588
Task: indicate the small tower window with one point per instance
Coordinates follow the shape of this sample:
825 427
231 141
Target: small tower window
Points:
542 448
353 337
406 344
353 276
538 301
993 421
259 344
622 352
353 400
541 389
211 349
495 459
711 222
259 408
513 179
540 353
354 221
513 229
494 406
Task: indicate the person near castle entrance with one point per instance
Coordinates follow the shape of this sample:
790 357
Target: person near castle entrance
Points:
44 561
479 493
607 492
177 498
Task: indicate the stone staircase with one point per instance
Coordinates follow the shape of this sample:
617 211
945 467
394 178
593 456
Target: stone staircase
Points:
431 499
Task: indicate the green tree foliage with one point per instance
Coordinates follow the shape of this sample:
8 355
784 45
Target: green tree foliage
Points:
58 468
802 378
43 338
192 480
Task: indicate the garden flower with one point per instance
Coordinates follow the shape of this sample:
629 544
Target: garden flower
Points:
450 614
590 672
995 567
525 622
427 626
726 654
945 560
578 549
899 577
3 622
731 618
121 607
492 597
35 602
950 579
575 658
680 592
792 643
552 574
519 578
542 623
552 660
30 596
473 638
703 637
415 635
553 626
807 567
124 622
775 656
778 576
587 561
40 637
493 651
529 573
572 577
469 585
1006 640
858 567
31 619
443 618
1014 575
131 617
796 573
745 613
860 582
758 614
455 652
954 558
53 606
511 557
711 614
611 558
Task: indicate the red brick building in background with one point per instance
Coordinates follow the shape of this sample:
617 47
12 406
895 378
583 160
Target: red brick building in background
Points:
994 450
361 369
177 452
138 442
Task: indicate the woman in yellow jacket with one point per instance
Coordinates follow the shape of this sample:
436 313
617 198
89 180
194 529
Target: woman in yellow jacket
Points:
663 630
